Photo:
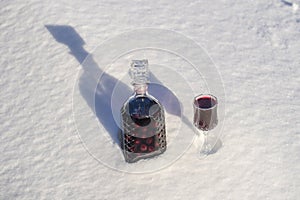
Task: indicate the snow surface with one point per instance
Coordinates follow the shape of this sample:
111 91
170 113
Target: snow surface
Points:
255 46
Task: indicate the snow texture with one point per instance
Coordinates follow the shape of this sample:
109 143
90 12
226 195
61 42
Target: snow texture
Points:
255 46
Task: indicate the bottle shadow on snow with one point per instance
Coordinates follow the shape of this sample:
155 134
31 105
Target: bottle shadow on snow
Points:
287 3
99 99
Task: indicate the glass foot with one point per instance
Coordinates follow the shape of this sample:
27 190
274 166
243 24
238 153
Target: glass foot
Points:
211 145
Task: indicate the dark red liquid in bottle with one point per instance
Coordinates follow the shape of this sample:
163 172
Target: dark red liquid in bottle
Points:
143 129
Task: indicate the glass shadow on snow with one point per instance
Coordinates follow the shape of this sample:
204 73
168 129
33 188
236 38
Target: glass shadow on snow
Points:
68 36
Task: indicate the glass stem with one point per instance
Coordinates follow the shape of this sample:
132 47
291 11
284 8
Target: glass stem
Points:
206 147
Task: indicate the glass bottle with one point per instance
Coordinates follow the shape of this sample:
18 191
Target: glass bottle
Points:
142 119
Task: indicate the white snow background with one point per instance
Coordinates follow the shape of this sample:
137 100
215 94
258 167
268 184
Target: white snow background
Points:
256 48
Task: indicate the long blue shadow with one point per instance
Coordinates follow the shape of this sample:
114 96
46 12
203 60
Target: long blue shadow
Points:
100 100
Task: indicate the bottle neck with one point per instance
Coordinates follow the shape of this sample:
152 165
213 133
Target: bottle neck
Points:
140 89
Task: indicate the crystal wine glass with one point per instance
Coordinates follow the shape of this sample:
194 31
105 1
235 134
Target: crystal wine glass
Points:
205 119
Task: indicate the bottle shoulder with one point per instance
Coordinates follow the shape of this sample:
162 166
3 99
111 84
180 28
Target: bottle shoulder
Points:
143 99
142 105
